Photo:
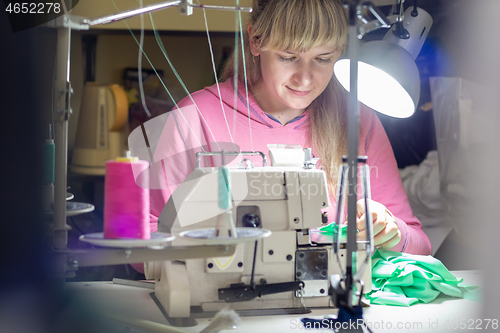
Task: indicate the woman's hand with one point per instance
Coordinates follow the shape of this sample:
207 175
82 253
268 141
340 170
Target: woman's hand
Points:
386 233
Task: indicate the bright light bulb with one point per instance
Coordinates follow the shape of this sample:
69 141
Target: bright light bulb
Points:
377 89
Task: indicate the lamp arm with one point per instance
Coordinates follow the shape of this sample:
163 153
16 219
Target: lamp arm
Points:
400 9
381 20
375 25
377 13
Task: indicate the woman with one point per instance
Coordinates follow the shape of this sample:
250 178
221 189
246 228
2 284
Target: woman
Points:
294 98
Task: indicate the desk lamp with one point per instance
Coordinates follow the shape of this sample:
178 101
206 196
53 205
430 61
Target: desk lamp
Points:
383 76
388 79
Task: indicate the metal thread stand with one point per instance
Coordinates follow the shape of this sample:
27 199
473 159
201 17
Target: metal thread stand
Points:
67 261
356 31
343 294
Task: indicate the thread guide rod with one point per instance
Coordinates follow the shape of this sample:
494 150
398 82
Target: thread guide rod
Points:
159 6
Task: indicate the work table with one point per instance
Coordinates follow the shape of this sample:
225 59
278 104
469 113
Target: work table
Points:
444 314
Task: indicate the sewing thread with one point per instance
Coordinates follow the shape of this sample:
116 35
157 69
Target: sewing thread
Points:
126 200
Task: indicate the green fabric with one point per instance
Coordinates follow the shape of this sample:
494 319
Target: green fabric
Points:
332 229
470 292
405 279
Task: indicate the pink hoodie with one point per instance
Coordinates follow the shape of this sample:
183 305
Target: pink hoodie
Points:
215 125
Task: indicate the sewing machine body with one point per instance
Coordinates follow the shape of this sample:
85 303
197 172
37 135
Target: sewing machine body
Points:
287 201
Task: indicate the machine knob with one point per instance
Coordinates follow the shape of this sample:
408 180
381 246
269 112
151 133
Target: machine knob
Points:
309 161
245 164
251 221
324 218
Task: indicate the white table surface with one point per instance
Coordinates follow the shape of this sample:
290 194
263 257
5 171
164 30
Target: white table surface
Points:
444 312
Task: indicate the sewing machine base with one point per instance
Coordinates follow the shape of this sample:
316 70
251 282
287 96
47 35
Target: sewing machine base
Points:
197 312
200 283
260 274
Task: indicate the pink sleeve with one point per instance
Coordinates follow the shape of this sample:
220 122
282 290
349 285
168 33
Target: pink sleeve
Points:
387 187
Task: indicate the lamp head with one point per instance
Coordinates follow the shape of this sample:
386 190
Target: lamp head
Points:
416 25
388 78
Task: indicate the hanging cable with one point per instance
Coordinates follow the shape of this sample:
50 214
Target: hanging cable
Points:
162 48
217 79
246 81
160 43
235 76
139 64
161 80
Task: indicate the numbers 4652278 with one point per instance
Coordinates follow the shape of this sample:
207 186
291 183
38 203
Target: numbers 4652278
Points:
33 8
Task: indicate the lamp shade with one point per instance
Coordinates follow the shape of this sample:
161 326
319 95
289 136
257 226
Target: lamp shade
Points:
388 78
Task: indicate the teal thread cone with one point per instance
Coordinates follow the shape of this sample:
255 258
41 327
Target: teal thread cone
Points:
224 188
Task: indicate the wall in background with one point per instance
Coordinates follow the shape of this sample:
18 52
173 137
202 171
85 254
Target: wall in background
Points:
189 53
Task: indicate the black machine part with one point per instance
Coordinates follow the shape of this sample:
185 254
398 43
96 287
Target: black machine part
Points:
240 292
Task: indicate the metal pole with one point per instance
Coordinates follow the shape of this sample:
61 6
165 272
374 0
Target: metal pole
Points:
352 146
228 8
131 13
61 117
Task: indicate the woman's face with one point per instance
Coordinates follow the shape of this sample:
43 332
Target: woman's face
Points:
292 80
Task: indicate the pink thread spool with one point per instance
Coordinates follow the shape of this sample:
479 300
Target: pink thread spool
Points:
126 202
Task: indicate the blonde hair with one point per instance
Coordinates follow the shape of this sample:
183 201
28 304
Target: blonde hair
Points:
301 25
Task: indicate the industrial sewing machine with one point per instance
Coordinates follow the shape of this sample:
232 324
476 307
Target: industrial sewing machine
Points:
289 269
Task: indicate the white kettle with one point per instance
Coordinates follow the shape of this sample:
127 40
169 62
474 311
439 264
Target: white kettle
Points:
102 123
